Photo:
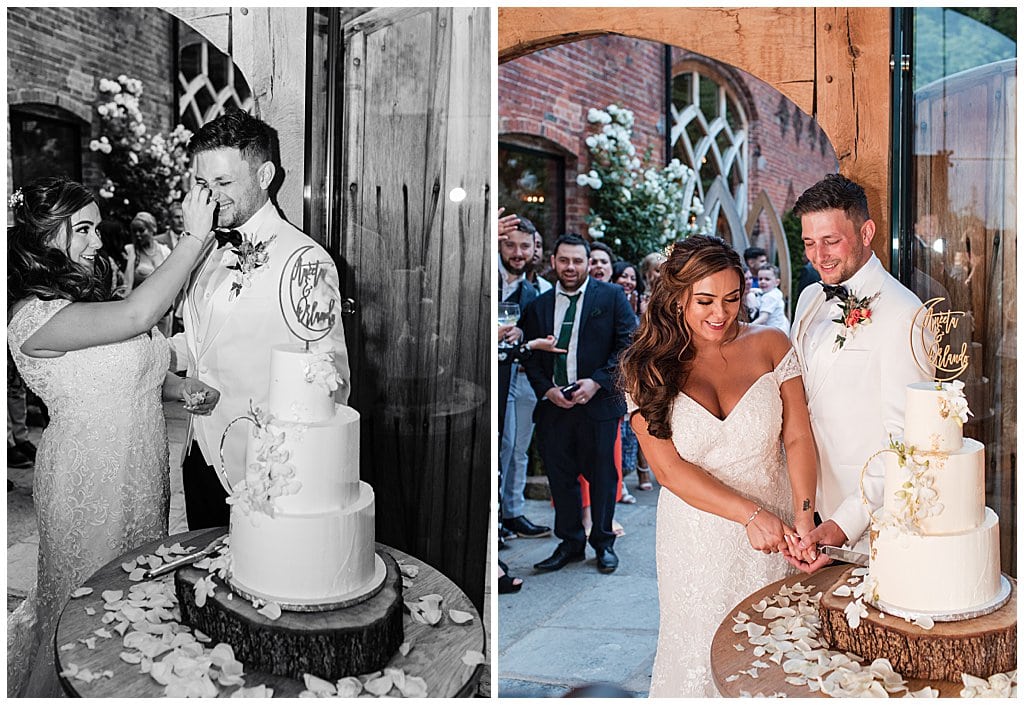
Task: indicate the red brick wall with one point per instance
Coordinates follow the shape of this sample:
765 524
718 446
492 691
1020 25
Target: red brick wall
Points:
547 94
57 56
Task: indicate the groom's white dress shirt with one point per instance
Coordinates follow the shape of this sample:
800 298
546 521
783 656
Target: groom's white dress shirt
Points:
856 394
227 341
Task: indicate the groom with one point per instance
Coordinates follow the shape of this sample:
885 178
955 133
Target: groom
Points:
231 321
855 376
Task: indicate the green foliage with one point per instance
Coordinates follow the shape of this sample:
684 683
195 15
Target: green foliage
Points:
635 208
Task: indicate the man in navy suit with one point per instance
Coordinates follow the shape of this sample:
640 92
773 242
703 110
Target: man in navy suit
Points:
579 405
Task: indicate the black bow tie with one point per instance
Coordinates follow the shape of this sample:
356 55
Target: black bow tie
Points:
228 237
835 292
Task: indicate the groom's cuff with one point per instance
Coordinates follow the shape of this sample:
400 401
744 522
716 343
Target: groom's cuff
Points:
852 517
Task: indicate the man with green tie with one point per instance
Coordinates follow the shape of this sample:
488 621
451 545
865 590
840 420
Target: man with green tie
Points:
580 404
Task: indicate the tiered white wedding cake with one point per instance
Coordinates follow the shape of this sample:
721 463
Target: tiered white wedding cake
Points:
934 543
302 523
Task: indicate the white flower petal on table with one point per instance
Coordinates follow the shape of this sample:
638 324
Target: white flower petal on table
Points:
408 570
137 575
317 685
81 592
67 647
473 658
460 617
730 679
739 647
405 648
843 591
379 685
925 692
256 691
271 611
925 622
760 606
414 687
128 567
349 687
132 657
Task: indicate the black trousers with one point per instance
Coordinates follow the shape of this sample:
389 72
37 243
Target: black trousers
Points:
571 444
205 507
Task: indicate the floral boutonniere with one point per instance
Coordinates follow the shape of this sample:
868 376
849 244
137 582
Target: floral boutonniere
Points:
249 257
856 313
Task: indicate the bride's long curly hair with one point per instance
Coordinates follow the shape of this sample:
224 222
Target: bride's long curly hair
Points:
38 260
653 369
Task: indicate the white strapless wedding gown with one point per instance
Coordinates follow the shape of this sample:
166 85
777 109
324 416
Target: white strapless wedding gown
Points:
705 563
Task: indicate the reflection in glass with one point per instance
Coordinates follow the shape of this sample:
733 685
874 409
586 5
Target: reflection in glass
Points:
963 241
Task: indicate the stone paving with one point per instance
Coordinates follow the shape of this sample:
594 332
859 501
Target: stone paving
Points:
576 627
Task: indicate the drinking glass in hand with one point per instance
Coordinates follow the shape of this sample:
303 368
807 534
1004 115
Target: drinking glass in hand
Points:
508 315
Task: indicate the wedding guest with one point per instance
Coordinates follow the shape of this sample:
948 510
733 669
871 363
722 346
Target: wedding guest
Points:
515 422
751 296
101 484
650 270
175 227
601 258
114 251
21 452
720 413
229 329
536 271
144 253
579 404
772 311
755 257
625 275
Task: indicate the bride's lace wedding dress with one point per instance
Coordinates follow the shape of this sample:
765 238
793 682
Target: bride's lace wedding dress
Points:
705 563
100 485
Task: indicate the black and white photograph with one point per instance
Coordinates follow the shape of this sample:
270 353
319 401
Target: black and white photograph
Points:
249 333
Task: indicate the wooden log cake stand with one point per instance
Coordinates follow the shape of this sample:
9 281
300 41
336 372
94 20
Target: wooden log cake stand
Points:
727 660
332 644
980 647
437 653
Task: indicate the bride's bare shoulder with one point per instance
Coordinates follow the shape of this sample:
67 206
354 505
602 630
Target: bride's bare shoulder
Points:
767 341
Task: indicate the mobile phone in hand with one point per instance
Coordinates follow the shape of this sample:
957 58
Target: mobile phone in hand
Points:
567 391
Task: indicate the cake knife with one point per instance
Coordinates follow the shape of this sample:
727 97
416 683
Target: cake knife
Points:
215 546
844 555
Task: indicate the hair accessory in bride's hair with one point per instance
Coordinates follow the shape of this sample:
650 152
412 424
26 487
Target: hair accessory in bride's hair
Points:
17 198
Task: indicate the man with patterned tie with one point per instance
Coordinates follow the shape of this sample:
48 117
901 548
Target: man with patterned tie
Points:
579 405
232 313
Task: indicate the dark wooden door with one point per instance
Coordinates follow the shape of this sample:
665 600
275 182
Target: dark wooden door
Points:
416 244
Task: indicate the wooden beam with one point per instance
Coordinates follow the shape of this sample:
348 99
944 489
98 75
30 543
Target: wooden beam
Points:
852 105
268 45
833 63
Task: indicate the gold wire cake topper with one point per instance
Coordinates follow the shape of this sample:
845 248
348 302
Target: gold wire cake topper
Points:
936 329
308 296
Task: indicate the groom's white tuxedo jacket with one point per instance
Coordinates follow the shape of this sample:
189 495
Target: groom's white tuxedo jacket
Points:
856 394
227 341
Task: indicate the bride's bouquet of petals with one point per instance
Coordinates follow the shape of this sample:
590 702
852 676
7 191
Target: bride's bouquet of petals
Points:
636 207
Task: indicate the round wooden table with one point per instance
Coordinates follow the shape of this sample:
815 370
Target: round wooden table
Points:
726 660
436 654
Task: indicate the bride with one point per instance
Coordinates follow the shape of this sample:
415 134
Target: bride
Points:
716 399
101 483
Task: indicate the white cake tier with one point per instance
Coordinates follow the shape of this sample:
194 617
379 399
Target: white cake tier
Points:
324 457
304 559
938 573
924 427
291 397
958 479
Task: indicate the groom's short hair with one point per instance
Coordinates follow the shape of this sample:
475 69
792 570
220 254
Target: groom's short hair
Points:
834 192
238 129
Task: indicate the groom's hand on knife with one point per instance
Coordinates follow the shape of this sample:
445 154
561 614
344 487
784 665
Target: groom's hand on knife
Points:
826 534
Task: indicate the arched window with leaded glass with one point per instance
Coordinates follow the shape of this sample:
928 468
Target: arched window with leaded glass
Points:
709 131
209 83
